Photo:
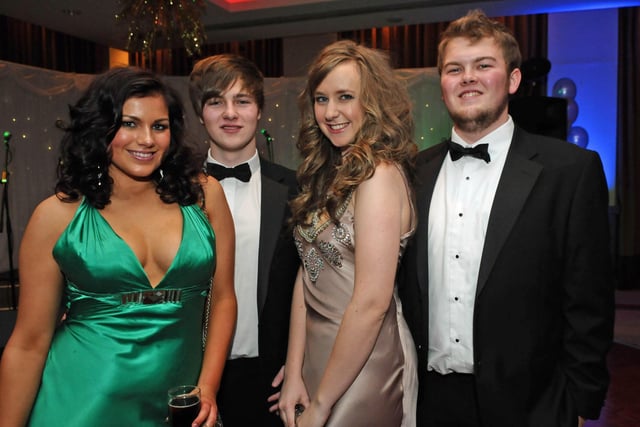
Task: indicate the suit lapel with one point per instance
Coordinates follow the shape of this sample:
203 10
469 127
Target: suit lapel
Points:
273 206
425 182
519 176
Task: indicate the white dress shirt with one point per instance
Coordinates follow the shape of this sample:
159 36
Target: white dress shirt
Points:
458 218
244 202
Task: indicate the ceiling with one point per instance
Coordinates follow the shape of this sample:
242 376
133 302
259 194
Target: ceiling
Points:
236 20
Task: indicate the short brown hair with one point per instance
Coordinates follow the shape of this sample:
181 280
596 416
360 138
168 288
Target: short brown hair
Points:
213 75
475 25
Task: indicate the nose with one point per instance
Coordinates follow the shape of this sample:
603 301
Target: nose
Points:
331 111
468 76
229 112
146 137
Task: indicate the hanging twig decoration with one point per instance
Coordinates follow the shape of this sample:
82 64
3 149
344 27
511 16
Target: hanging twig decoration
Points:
155 24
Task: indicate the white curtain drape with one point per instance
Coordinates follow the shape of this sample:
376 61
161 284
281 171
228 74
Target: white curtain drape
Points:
33 99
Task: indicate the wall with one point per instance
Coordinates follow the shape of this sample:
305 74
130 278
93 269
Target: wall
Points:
583 47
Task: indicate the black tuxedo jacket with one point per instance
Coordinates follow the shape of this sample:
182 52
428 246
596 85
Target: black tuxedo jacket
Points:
543 316
278 263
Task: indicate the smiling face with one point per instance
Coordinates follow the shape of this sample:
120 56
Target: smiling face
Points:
139 145
337 106
231 121
476 86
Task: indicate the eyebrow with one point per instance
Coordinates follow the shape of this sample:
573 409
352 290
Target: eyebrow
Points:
475 60
339 92
136 118
243 95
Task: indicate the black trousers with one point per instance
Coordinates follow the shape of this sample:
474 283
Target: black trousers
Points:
448 401
242 398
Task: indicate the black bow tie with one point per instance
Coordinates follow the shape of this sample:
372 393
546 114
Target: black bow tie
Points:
219 172
479 151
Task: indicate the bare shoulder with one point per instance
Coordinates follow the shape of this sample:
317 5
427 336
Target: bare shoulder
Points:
52 215
215 202
383 195
385 174
212 189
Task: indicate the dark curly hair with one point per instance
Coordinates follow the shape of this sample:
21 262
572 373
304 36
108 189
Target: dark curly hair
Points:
94 121
327 177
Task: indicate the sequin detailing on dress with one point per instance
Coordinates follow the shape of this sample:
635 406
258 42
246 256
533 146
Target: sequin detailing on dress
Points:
343 236
314 258
330 253
312 263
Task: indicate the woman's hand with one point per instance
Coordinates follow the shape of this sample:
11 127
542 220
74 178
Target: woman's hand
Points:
313 416
208 410
293 393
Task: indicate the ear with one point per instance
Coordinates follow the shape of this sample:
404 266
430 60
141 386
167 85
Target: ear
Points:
514 80
200 120
259 114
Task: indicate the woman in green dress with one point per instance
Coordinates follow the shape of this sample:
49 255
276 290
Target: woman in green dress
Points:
130 246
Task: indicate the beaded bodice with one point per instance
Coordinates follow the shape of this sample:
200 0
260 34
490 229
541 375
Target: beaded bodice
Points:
323 241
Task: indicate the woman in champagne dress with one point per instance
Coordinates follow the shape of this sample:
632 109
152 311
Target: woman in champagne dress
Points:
127 245
351 360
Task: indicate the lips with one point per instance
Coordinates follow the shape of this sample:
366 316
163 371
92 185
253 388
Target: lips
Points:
142 155
470 94
337 127
230 128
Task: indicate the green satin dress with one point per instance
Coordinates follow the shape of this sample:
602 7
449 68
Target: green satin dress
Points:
123 343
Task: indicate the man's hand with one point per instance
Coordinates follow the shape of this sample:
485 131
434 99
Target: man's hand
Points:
277 381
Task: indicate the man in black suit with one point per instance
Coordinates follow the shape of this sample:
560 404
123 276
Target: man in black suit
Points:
227 94
507 284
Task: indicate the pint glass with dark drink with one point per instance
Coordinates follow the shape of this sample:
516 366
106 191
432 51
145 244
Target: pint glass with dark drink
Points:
184 405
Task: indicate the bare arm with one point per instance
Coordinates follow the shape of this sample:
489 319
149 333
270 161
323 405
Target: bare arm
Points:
382 213
41 285
222 315
293 390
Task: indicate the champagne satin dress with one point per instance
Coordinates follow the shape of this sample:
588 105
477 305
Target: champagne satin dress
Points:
385 392
123 343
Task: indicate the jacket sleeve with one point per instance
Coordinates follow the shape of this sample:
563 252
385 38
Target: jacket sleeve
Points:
588 286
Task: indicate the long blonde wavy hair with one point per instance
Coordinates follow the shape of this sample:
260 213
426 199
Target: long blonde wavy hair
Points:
326 177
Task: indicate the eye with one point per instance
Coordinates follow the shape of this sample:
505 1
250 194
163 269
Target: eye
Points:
484 66
320 99
160 127
213 101
346 97
128 124
452 70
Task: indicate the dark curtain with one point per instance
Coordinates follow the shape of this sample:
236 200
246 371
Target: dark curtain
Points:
267 54
409 46
416 46
628 149
30 44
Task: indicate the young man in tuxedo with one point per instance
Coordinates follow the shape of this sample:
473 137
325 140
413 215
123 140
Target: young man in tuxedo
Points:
227 94
507 285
